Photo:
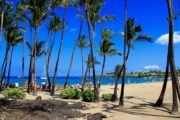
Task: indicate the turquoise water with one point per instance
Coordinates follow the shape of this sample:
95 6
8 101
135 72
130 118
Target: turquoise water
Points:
77 80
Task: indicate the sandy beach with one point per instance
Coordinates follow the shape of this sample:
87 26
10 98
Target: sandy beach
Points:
139 99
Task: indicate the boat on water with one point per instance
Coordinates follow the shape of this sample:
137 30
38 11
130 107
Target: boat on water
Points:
43 78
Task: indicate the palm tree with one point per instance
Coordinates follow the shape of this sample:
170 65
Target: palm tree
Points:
14 37
65 5
121 100
106 49
1 17
161 97
54 27
39 12
88 66
134 35
175 86
20 10
9 21
72 56
82 44
92 10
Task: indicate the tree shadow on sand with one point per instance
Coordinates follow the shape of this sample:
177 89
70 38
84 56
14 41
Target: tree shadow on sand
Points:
143 108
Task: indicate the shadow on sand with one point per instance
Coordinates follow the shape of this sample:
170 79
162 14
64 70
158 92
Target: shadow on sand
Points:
143 108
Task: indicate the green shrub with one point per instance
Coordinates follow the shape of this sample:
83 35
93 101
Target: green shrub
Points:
88 96
78 94
70 93
107 97
14 93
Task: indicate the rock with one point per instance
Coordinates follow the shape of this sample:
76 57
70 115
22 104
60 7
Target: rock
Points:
96 116
39 98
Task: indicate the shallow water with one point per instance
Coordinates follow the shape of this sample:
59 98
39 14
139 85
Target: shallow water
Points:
77 80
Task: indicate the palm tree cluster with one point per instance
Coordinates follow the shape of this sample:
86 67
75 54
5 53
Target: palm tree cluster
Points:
13 16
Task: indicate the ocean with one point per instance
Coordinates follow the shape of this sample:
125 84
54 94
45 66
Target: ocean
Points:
78 80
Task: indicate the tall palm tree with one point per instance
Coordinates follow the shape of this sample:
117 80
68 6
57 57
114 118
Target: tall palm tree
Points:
92 13
106 49
9 21
1 17
161 97
72 56
54 27
175 87
82 44
21 11
121 100
14 37
88 66
134 35
39 12
65 5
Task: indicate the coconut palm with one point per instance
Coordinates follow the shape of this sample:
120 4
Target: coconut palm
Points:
63 4
161 97
121 100
72 56
54 27
106 49
92 15
1 17
14 37
134 35
88 66
9 21
82 44
21 12
38 10
175 82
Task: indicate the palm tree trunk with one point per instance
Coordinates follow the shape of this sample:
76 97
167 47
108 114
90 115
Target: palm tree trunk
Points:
72 56
102 71
2 21
161 97
59 53
23 63
6 55
171 57
117 78
82 60
48 63
121 100
84 80
10 62
30 66
91 32
3 68
34 66
1 29
30 75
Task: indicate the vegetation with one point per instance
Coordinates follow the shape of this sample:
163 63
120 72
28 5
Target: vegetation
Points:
88 96
107 97
14 93
70 93
33 14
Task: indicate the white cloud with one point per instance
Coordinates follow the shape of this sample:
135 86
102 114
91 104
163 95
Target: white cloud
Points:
149 67
73 30
164 39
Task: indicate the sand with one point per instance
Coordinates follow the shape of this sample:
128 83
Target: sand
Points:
139 99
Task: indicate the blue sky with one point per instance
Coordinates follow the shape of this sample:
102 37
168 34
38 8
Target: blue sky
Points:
151 14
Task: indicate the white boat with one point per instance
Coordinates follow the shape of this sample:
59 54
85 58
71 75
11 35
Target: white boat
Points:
43 78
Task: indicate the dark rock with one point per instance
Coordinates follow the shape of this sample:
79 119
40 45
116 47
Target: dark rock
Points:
96 116
39 98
